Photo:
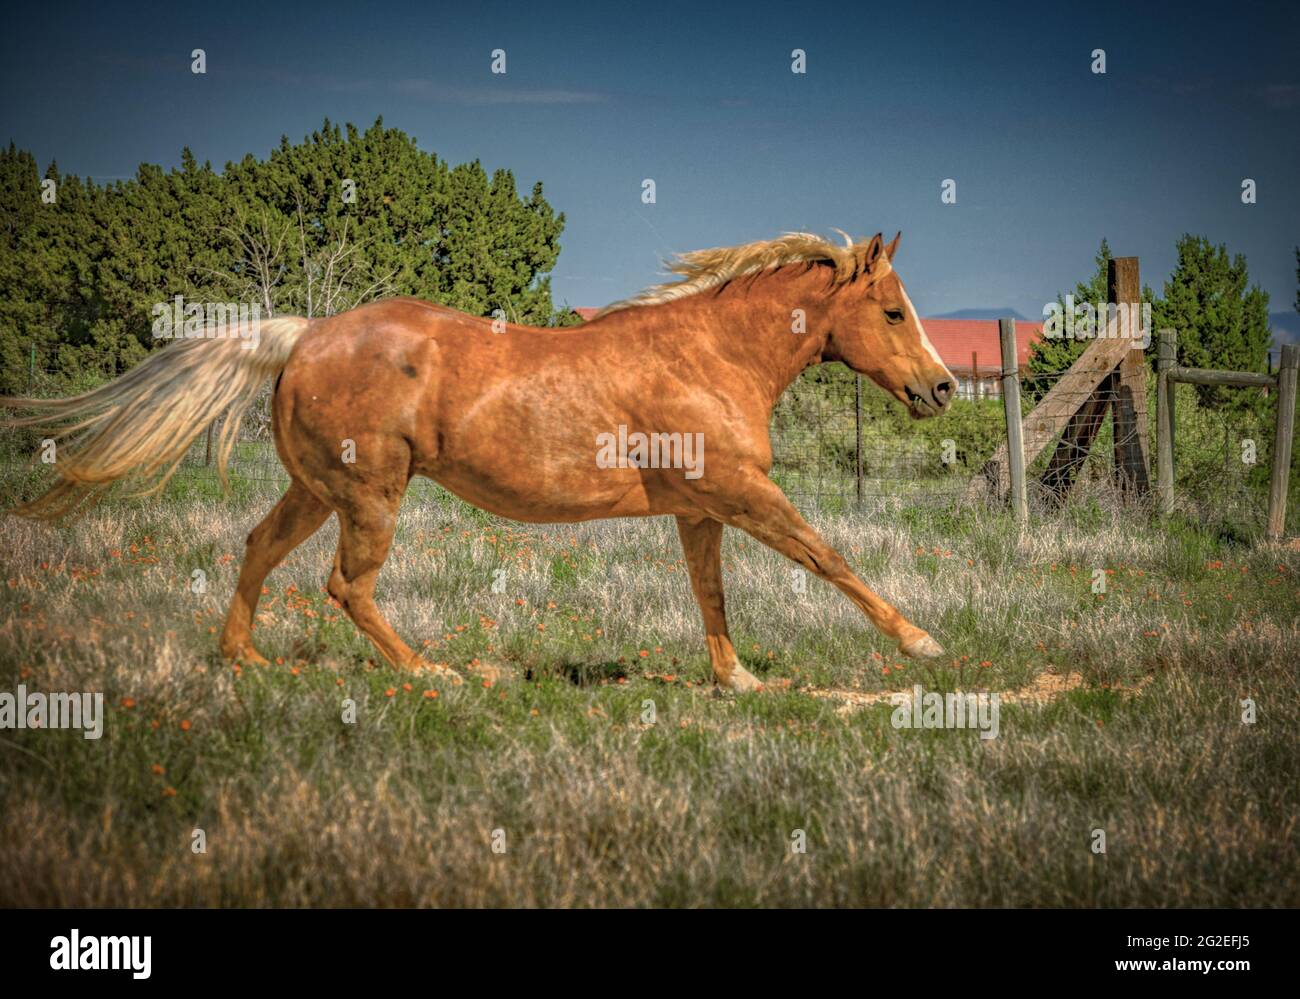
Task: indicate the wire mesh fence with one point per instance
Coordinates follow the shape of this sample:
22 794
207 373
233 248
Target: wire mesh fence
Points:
1223 458
1084 462
839 444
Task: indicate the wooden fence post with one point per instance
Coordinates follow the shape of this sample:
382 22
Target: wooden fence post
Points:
1166 358
1060 412
1129 408
1286 390
1011 406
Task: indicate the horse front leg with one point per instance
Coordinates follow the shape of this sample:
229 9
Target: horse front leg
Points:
764 512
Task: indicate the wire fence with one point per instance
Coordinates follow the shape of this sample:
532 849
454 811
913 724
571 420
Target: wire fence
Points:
840 444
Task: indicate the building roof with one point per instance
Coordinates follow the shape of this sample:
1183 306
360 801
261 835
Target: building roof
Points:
957 339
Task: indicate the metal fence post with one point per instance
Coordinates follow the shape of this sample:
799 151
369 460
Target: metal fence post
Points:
857 445
1286 393
1011 406
1166 357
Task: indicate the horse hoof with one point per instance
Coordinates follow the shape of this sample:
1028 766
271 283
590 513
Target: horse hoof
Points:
488 672
437 669
741 681
247 656
921 647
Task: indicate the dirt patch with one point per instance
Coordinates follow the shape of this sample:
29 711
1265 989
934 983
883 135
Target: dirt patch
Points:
1043 689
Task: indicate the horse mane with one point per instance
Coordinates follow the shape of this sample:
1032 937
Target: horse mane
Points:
702 270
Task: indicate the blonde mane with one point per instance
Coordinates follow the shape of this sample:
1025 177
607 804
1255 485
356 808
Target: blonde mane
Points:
702 270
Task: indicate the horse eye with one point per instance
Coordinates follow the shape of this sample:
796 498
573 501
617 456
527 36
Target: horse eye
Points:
894 315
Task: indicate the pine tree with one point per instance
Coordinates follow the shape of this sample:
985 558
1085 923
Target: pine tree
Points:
1220 322
1050 356
319 226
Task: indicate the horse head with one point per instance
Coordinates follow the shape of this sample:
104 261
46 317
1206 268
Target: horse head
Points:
874 330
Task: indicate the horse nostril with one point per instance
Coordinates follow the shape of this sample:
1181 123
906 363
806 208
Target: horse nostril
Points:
943 392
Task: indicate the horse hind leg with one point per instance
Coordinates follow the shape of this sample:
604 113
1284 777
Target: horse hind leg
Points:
365 537
295 518
702 544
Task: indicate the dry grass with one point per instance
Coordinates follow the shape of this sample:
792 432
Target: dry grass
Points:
1140 736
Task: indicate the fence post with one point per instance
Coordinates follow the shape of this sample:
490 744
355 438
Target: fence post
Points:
857 444
1011 406
1286 389
1166 357
1129 407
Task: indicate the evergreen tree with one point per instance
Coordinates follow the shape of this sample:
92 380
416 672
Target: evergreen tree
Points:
317 227
1050 356
1220 322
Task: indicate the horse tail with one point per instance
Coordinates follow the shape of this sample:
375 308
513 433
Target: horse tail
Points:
139 426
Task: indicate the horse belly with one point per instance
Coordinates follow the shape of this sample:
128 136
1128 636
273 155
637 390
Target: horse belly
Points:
538 493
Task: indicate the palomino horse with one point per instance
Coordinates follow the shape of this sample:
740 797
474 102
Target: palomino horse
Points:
522 421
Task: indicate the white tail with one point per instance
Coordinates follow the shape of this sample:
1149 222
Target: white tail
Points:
141 424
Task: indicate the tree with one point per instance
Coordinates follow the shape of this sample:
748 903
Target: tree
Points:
370 213
48 300
1220 322
1052 355
317 227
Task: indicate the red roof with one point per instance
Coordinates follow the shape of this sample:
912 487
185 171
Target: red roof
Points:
586 312
955 339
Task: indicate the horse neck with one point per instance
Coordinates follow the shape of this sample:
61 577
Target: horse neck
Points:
754 322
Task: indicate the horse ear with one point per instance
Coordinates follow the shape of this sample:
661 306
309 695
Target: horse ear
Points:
892 248
869 254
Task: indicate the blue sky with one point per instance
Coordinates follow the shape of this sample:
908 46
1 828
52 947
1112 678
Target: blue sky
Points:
1048 157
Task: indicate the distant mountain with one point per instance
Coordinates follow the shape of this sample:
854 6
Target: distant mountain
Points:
985 314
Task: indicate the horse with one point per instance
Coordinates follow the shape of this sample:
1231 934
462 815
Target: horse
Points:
521 421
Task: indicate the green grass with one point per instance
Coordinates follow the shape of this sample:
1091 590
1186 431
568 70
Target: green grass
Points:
598 806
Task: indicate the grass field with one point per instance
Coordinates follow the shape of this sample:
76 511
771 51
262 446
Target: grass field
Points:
603 770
